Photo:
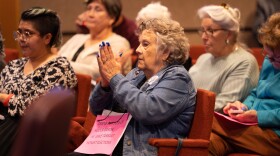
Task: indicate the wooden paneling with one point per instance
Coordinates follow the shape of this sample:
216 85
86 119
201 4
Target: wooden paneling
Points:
184 11
9 17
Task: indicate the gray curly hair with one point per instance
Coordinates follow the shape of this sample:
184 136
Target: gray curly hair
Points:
170 37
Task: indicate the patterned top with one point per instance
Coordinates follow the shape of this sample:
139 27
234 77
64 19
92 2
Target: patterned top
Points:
27 88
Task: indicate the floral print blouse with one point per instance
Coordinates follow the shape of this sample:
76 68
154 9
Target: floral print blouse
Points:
27 88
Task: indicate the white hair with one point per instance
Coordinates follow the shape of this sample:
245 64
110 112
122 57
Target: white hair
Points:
153 10
225 16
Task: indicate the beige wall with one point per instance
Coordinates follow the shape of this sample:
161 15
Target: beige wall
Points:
184 11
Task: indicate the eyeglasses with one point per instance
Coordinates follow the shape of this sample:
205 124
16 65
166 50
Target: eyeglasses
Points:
25 35
209 32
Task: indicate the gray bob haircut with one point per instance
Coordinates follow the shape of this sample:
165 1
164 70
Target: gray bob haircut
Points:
171 38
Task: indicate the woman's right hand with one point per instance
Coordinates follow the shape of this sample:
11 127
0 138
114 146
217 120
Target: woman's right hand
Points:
80 21
108 65
237 105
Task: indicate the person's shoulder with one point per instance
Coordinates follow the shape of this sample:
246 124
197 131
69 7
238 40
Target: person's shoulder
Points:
115 36
17 62
244 54
79 37
118 39
59 61
177 69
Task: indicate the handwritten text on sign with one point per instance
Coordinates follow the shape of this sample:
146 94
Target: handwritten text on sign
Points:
105 134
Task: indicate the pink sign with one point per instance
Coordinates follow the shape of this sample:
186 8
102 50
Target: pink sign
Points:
105 134
222 116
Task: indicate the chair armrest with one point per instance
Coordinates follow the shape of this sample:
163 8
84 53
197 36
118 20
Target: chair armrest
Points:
81 120
161 142
167 147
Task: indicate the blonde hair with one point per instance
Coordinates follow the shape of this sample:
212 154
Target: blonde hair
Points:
269 33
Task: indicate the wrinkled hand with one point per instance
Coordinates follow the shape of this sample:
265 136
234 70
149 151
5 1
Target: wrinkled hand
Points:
237 105
108 65
246 116
80 21
125 61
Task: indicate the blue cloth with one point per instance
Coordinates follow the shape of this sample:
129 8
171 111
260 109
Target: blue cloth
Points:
265 98
162 108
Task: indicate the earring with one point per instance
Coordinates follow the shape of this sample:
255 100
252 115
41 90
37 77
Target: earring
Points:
227 41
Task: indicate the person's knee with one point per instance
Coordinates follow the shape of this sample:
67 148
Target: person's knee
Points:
218 146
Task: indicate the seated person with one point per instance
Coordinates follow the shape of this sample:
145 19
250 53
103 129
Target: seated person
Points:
23 80
81 49
262 106
123 26
158 93
228 68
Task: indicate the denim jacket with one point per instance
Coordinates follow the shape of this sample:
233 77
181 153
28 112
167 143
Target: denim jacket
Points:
162 108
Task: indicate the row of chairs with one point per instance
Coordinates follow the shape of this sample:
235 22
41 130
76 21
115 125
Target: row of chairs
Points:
196 144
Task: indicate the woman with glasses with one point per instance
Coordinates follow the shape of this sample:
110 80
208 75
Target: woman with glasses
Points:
262 106
158 93
226 68
22 81
81 49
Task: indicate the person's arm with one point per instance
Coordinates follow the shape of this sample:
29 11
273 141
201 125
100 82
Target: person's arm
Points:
100 99
172 95
167 97
238 84
269 118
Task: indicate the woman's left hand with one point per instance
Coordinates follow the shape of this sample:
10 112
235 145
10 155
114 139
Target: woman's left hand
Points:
108 65
248 116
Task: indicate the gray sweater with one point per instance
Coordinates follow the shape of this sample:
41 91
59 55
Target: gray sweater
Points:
231 77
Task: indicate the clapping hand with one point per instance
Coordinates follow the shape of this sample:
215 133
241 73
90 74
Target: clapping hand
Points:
108 65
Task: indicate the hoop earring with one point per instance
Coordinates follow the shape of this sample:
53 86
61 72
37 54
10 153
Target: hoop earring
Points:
227 41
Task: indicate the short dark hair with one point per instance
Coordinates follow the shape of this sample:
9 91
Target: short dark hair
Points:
45 21
113 7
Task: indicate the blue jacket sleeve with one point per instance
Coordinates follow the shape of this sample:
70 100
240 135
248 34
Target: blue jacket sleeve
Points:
161 101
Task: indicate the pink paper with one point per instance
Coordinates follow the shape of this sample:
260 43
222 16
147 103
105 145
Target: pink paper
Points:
104 137
222 116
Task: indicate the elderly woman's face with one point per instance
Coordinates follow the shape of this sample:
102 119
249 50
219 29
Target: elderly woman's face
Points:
213 36
97 17
149 60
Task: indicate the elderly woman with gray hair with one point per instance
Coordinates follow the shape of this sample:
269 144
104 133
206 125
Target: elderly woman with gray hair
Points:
227 69
158 93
